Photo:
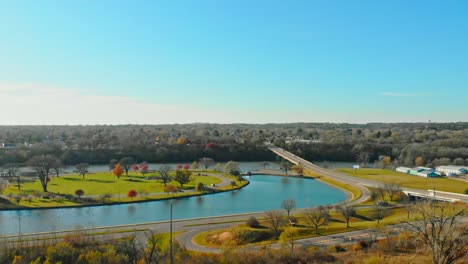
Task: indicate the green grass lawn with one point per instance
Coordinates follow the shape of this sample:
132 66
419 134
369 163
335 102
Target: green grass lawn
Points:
97 185
105 183
363 220
409 181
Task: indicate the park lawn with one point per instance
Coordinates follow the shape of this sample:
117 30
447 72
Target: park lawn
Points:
409 181
104 183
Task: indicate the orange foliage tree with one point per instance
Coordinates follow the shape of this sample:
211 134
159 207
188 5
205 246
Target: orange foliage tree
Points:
118 171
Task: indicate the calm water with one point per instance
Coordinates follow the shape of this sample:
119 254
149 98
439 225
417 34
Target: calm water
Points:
263 193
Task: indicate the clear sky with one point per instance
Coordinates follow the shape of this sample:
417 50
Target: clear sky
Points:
120 62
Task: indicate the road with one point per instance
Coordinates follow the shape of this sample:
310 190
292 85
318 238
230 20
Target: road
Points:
359 182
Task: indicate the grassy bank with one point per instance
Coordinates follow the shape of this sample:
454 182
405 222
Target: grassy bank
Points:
104 188
409 181
355 192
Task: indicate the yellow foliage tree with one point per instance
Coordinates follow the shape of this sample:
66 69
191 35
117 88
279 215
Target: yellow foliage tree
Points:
419 161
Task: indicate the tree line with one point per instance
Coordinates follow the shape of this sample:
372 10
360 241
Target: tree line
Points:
436 143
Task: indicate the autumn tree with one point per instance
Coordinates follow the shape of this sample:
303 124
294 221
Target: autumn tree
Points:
316 217
182 177
144 168
164 174
436 227
206 162
288 205
135 168
275 220
82 169
194 165
297 168
118 171
385 161
42 165
186 167
126 163
170 189
419 161
79 193
347 212
132 194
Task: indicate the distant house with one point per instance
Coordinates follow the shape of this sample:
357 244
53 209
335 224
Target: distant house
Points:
419 171
424 169
452 170
7 145
428 174
403 169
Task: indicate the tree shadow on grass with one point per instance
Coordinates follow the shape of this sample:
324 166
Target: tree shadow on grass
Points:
88 180
363 218
133 180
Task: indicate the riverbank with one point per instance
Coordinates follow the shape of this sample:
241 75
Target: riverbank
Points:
30 198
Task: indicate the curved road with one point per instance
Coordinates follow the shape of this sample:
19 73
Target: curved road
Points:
359 182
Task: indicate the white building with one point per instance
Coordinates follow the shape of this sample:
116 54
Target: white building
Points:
452 170
403 169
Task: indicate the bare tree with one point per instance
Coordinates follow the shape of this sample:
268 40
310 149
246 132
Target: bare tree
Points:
58 167
288 205
42 164
391 189
378 212
275 220
363 159
206 162
264 164
286 166
316 217
374 195
82 169
126 164
347 212
407 205
381 191
112 164
11 170
436 227
164 174
153 252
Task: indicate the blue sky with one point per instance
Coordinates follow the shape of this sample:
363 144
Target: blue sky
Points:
87 62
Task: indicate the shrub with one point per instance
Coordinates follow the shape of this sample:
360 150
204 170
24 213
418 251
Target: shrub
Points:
200 187
253 222
466 191
79 193
132 193
245 236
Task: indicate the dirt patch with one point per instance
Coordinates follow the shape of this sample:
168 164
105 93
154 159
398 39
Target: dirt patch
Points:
220 238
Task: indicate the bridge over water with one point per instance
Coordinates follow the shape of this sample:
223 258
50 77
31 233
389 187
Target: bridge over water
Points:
362 183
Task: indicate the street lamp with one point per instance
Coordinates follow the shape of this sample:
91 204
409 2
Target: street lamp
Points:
170 236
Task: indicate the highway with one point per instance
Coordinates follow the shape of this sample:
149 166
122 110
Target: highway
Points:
359 182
